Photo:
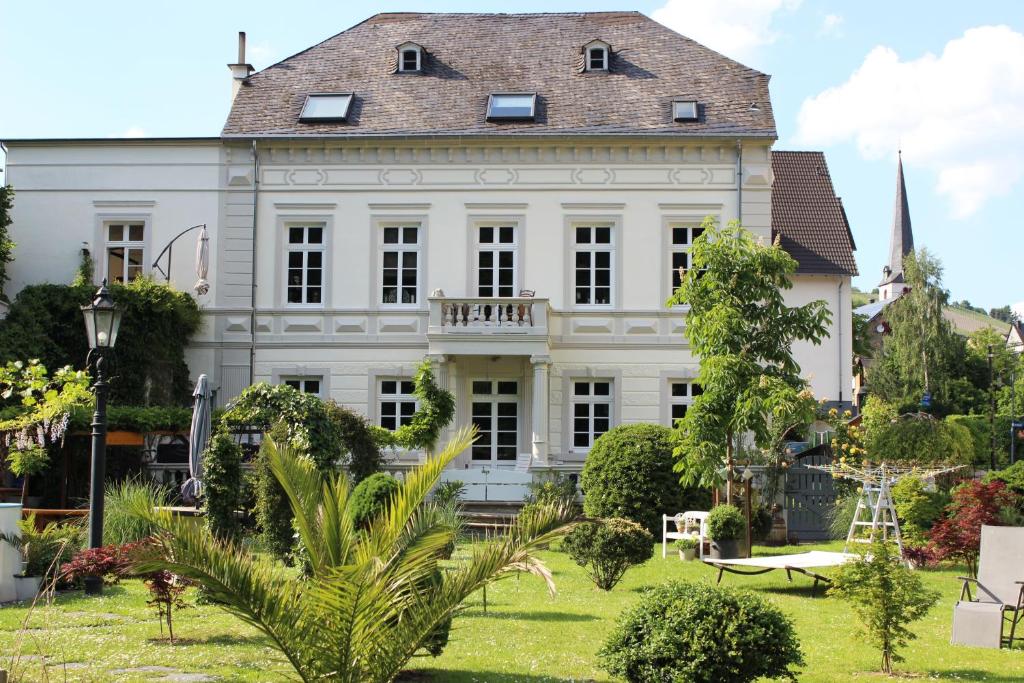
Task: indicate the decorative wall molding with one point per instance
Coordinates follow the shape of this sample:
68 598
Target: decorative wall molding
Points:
496 206
123 203
309 206
400 206
597 206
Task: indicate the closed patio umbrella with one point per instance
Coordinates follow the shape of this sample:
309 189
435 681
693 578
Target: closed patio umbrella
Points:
202 262
198 435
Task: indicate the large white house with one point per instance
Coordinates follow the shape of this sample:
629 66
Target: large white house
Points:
507 195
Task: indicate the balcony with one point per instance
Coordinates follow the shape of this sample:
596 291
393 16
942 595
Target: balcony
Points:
479 325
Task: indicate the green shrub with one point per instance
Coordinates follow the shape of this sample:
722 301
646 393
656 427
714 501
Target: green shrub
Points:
919 438
273 513
726 523
607 548
44 552
917 508
1013 477
628 474
695 633
371 497
448 493
120 526
981 437
761 523
886 596
222 486
687 544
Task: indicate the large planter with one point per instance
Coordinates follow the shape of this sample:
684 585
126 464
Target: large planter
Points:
27 587
688 555
725 550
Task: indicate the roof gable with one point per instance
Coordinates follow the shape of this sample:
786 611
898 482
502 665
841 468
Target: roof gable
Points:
807 215
474 55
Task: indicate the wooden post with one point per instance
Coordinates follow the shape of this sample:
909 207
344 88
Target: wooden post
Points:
3 676
750 530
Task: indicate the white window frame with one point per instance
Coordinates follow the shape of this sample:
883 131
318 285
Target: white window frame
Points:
401 248
494 247
305 248
593 248
690 227
399 398
125 244
493 399
301 380
604 57
590 399
401 59
681 400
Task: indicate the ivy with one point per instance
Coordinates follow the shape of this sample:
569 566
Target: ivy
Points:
147 366
142 419
222 484
6 245
436 410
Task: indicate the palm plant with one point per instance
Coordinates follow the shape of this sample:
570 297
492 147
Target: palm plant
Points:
374 596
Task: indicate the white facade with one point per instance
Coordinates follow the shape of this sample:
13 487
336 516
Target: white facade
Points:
355 333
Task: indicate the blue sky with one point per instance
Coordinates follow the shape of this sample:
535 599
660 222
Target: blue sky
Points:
943 79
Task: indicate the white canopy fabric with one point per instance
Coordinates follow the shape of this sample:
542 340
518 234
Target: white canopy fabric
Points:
199 434
202 262
809 560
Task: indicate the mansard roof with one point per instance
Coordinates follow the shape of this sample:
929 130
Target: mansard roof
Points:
808 216
470 56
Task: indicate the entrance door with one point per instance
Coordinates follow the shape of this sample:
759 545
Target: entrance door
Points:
495 413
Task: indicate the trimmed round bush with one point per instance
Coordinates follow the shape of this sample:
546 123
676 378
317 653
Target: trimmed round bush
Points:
370 497
628 474
607 548
695 633
726 523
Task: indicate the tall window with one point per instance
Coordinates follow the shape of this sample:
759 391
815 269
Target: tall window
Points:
305 384
681 395
305 264
494 411
591 403
496 260
679 254
396 403
593 273
126 247
400 264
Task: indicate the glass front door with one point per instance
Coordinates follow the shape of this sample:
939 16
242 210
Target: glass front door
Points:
495 413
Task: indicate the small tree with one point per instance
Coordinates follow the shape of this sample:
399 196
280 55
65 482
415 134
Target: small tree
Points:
222 481
974 504
886 596
607 548
743 332
165 590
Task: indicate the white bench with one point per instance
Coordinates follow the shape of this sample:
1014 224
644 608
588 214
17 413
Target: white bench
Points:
695 526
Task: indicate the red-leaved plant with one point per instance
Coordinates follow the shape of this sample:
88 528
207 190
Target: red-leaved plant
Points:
957 536
110 562
166 590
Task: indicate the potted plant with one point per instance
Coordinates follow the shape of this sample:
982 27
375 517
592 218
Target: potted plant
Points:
687 548
41 551
726 527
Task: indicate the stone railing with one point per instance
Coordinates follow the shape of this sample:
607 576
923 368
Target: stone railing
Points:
489 314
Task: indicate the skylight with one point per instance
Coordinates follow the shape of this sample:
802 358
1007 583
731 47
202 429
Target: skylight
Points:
320 107
511 107
684 110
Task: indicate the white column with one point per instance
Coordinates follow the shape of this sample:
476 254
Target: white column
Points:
539 411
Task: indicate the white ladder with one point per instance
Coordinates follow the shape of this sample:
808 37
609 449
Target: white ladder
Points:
875 501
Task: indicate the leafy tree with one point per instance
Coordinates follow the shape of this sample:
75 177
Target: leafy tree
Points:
917 508
374 597
743 332
6 245
917 438
862 346
886 596
974 504
606 548
1004 313
922 353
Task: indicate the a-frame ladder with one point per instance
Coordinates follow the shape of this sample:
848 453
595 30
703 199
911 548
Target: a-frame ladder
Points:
876 513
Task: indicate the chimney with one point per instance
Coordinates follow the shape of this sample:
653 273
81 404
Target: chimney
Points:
239 70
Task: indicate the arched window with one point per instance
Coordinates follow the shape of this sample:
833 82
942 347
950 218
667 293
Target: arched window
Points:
410 58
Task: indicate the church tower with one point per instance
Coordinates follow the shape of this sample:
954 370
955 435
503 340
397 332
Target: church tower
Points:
901 242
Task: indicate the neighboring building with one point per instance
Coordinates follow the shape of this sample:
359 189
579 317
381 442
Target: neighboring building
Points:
1015 337
509 196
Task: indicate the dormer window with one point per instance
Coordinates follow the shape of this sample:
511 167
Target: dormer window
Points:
512 107
326 107
684 110
595 55
410 58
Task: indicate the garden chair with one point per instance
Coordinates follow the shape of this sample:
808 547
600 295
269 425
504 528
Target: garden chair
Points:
695 525
998 591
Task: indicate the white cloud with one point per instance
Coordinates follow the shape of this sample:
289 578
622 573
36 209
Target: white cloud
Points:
959 114
736 28
831 25
133 132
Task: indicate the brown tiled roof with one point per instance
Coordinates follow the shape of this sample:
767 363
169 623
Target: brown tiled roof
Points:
808 215
469 56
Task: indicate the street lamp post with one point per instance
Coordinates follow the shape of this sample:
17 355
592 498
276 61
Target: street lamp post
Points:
102 320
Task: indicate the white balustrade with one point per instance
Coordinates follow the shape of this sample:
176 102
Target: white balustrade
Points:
492 314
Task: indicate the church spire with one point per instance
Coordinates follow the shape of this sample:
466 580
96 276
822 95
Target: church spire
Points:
901 242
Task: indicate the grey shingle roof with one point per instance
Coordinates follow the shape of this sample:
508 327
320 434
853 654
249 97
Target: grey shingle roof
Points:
468 56
901 242
808 216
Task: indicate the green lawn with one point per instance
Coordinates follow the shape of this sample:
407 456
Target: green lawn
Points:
525 635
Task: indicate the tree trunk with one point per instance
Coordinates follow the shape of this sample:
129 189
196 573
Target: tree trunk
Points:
24 491
728 467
